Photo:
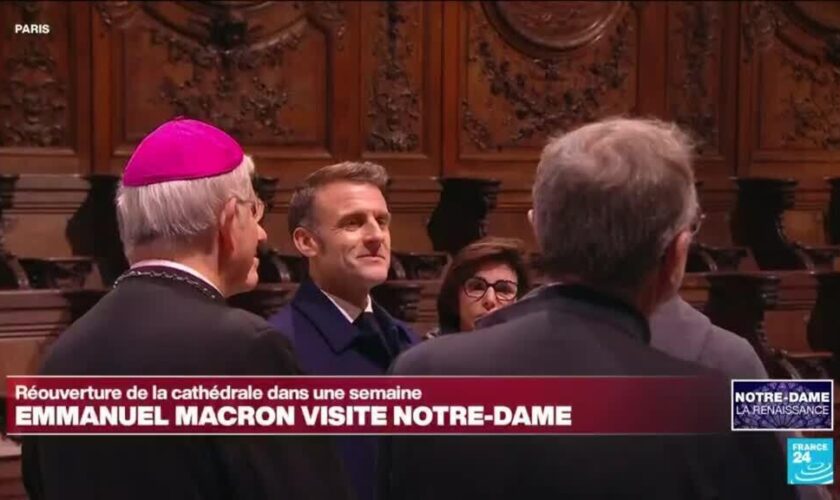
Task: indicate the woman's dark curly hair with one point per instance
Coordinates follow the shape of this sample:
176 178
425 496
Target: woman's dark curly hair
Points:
464 265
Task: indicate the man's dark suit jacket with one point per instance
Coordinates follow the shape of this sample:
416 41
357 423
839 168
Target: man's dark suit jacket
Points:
571 330
161 321
327 344
685 333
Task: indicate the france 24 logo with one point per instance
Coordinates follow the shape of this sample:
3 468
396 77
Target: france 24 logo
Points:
32 29
810 460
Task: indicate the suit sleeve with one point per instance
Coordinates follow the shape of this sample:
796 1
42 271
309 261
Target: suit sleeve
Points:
287 467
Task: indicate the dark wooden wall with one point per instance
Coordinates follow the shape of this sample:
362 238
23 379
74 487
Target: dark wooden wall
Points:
426 88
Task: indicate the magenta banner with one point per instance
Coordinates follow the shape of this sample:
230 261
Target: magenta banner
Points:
366 405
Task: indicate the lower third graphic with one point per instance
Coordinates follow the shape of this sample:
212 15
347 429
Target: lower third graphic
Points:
810 461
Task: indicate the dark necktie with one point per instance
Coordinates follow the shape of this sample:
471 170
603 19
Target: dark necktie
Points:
375 341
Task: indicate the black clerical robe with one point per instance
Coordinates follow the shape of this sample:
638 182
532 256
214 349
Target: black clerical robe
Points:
164 321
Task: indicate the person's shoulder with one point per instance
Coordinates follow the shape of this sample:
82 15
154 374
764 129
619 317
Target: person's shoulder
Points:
531 302
283 315
468 352
242 321
262 346
724 340
430 357
732 354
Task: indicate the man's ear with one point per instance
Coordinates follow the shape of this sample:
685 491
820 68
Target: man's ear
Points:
305 242
533 224
226 223
675 258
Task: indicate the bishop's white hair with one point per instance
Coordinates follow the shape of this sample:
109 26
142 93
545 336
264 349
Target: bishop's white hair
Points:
179 214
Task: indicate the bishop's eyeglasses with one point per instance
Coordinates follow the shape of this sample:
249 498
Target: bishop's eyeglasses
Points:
257 207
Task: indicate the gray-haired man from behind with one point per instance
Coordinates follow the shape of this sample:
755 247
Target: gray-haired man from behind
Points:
614 212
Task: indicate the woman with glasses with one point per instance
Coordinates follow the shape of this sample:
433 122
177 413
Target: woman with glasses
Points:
484 276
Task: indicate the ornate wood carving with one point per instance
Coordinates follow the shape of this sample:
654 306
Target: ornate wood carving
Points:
694 47
226 62
551 25
12 274
814 113
793 48
546 87
116 13
477 132
33 96
758 28
394 102
328 13
819 17
215 90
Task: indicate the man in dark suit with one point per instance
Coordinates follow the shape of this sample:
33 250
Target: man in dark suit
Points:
683 332
339 221
614 208
190 223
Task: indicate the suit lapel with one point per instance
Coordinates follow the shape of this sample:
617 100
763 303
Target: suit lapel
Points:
392 327
311 302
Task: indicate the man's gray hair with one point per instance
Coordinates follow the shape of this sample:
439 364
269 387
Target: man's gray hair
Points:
610 196
179 214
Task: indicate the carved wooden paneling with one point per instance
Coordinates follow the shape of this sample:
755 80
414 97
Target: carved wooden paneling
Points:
510 217
276 75
39 215
520 71
702 81
400 93
29 321
11 482
45 88
790 92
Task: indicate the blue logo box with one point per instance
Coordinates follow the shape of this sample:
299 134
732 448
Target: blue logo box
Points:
810 461
780 405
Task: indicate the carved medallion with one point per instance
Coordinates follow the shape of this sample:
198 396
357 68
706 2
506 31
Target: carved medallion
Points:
551 25
33 96
394 102
224 61
694 38
518 99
